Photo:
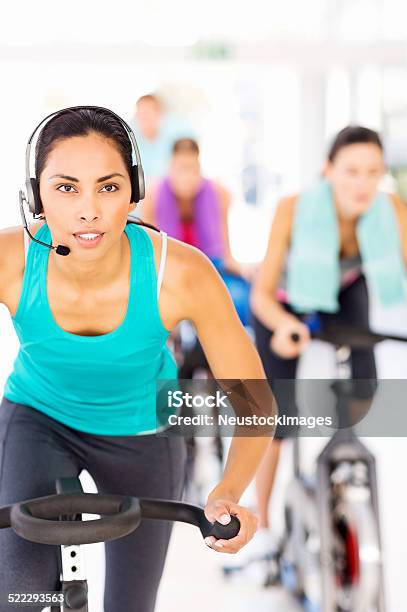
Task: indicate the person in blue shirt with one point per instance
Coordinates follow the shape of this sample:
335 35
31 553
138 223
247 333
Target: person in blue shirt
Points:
156 132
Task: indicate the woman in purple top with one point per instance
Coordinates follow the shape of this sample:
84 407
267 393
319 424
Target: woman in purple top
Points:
194 209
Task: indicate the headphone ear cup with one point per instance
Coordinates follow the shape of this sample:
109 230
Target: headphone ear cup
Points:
141 183
30 195
33 196
135 185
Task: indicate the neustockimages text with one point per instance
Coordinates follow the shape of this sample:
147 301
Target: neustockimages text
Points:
177 399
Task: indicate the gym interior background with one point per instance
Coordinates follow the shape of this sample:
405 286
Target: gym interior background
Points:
264 85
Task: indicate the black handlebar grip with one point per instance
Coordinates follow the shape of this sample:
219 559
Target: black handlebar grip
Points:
295 337
32 519
225 532
187 513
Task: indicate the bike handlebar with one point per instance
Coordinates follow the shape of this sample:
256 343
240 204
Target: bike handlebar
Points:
34 519
350 335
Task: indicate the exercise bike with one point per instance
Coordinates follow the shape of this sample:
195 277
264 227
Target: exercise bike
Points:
57 520
330 556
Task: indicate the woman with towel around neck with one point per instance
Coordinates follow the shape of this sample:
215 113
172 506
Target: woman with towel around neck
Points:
326 246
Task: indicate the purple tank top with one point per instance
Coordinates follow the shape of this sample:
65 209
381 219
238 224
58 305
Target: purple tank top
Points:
206 216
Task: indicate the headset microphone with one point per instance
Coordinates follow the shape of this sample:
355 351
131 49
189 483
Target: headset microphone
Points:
60 249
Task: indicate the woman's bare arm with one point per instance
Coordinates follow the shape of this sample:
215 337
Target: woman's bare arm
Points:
10 257
263 297
231 355
225 201
401 213
4 248
12 260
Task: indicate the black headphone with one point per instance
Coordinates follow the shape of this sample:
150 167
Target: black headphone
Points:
31 182
32 191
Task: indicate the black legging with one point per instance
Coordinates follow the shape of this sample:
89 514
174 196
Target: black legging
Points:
353 309
35 450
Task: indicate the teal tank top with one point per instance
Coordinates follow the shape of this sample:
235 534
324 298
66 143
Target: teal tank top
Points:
103 384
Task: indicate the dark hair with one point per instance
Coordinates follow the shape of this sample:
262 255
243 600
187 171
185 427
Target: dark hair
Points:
185 145
353 134
81 122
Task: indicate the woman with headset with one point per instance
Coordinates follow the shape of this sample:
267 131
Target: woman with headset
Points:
92 316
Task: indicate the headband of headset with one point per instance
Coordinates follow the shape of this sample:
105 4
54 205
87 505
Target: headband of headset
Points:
137 174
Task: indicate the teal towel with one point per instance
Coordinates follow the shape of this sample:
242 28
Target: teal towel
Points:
313 273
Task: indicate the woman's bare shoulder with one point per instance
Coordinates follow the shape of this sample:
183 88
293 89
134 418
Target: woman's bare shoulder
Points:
286 205
398 204
185 265
12 260
221 191
14 236
187 271
283 219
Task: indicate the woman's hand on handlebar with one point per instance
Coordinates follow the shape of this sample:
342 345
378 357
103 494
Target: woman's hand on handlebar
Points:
290 337
220 510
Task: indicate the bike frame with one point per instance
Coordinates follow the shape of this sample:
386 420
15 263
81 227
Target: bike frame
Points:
343 446
72 560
